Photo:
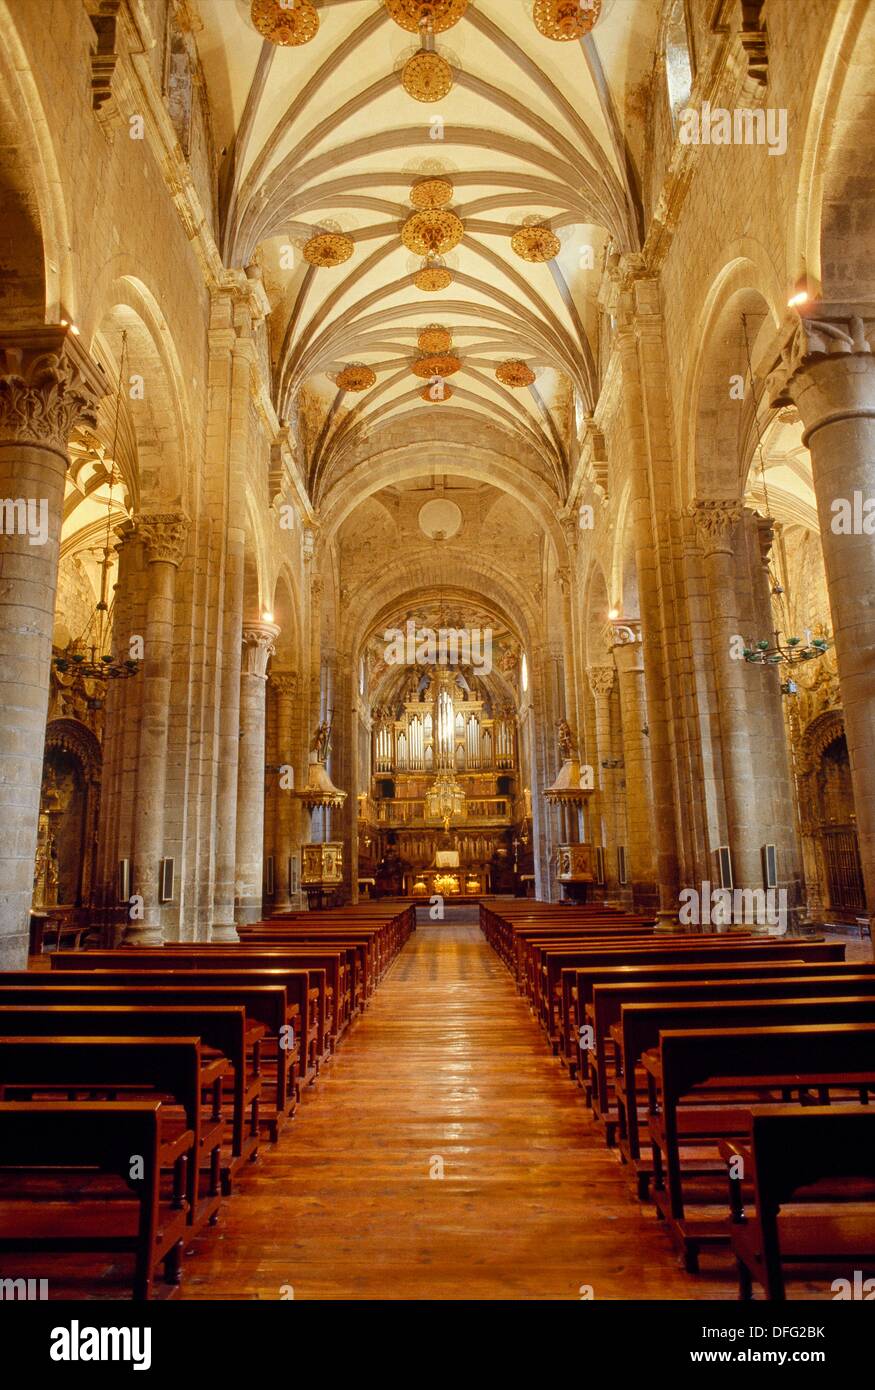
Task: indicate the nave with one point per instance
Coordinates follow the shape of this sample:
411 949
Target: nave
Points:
445 1063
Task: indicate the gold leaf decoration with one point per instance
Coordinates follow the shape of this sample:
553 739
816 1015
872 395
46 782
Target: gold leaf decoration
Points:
564 20
537 243
440 391
437 14
437 364
432 233
431 193
434 338
432 277
287 26
427 76
356 377
515 373
328 248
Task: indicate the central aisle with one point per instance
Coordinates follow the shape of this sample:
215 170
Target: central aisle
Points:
446 1069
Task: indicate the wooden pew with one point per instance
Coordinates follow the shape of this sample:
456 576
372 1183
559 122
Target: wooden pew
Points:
223 1029
55 1139
795 1153
215 959
635 1022
264 1004
736 1061
175 1067
576 980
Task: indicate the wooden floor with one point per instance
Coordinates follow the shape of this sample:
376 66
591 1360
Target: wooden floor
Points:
445 1068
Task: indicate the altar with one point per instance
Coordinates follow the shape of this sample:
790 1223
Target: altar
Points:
446 882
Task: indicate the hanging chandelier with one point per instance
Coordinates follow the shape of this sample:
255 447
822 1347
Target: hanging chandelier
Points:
287 23
445 799
565 20
793 650
440 14
88 656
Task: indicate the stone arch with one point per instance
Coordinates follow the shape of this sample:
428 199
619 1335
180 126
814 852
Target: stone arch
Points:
718 440
596 602
160 423
34 209
285 606
836 188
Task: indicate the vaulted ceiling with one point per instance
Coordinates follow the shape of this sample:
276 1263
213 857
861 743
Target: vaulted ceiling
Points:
323 136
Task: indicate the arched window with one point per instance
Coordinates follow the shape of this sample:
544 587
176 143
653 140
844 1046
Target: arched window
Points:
678 63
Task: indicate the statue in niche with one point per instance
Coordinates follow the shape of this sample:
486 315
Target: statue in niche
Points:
321 741
566 740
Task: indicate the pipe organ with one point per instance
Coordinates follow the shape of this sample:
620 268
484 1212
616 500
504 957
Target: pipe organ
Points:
444 727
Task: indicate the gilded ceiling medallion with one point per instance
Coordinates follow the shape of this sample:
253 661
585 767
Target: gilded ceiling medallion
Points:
439 391
563 20
286 25
432 278
537 243
427 76
328 248
432 233
434 338
515 373
437 364
440 14
431 193
356 377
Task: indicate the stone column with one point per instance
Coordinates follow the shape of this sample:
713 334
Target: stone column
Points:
223 928
288 815
259 643
48 384
718 522
163 535
624 639
828 372
601 682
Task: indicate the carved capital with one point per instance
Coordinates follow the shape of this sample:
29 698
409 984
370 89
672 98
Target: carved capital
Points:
164 535
838 345
626 633
601 679
285 683
48 385
259 645
716 518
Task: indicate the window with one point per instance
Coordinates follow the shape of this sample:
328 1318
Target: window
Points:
678 67
524 673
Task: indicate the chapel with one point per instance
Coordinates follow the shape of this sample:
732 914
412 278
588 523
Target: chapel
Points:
437 649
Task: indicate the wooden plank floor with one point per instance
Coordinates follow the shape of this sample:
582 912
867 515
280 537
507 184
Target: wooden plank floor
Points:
446 1065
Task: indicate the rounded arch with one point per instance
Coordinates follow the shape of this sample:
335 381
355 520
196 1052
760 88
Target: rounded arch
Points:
156 400
834 156
285 606
402 463
596 602
716 402
31 168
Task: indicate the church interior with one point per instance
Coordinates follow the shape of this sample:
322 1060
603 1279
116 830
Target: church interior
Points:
437 650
